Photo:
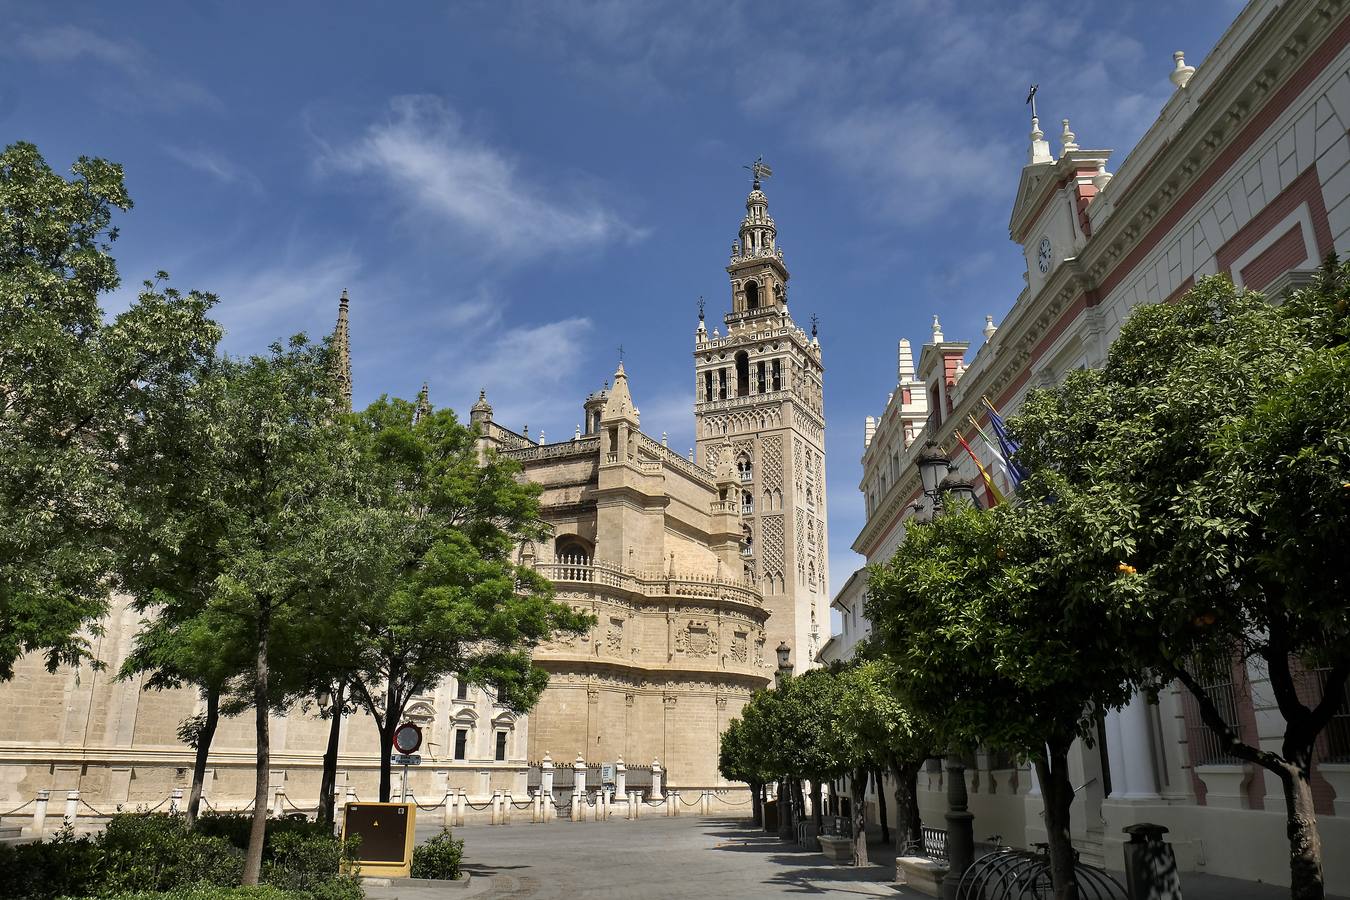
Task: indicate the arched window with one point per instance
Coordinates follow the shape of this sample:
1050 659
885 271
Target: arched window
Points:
573 555
744 468
752 295
747 503
742 374
708 386
747 541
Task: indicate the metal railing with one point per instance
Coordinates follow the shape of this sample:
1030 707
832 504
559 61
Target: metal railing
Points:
584 569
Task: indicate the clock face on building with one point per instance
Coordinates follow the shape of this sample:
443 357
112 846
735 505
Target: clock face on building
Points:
1043 255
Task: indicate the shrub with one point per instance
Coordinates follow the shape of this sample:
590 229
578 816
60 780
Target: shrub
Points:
61 865
235 828
148 852
319 865
208 892
439 857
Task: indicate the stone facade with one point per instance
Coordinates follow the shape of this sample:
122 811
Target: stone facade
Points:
1245 172
650 545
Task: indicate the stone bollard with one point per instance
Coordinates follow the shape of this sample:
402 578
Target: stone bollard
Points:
506 807
536 807
496 813
704 803
448 809
1150 864
72 807
40 814
628 806
278 800
579 789
620 778
175 801
672 797
635 801
656 780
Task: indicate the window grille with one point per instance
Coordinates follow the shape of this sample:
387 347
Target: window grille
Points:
1216 680
1337 733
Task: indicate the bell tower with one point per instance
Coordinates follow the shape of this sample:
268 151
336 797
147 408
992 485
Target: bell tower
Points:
759 400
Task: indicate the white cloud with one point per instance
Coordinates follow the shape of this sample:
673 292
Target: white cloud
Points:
440 172
140 85
523 369
217 165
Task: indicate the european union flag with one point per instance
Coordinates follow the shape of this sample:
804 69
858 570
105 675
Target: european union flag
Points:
1007 446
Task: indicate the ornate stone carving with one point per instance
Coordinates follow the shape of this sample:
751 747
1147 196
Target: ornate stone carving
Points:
739 650
614 637
696 638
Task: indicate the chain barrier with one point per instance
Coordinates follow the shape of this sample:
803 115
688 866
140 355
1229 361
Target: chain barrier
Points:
654 802
208 804
93 809
425 808
732 802
477 807
697 800
526 805
17 808
288 802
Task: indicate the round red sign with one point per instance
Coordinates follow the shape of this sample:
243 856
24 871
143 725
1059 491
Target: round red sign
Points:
407 738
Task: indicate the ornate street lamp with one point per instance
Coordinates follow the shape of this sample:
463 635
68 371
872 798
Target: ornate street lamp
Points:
933 464
961 490
784 660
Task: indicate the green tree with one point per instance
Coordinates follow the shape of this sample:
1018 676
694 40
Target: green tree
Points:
70 382
296 540
1004 632
1212 451
451 598
879 731
739 759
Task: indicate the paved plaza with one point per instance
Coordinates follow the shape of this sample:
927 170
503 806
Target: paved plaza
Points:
689 859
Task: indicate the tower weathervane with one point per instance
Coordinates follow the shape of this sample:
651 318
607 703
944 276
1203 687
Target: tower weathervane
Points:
760 169
1031 98
621 353
700 307
815 324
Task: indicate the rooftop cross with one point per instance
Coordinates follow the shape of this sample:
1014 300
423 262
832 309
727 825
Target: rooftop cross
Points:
1031 98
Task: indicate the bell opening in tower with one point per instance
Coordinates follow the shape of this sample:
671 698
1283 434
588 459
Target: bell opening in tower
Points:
752 295
742 374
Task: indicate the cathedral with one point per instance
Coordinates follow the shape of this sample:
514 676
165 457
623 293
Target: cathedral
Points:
695 569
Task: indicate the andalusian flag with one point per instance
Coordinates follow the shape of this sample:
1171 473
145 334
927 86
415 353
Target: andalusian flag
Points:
984 473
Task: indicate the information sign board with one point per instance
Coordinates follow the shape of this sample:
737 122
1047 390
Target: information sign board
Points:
607 773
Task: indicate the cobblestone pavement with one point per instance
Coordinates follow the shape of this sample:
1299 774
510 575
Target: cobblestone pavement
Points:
689 859
652 859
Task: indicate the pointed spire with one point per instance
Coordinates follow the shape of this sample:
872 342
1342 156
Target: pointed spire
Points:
423 404
342 354
619 402
481 412
904 361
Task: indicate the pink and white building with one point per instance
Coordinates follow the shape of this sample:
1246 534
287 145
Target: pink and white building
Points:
1247 172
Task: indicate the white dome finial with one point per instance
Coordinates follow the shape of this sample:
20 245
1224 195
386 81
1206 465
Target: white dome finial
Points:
1181 73
937 331
1068 139
989 328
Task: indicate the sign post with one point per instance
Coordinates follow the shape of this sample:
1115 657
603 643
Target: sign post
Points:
407 740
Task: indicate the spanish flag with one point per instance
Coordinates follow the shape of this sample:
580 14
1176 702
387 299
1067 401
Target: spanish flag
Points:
988 481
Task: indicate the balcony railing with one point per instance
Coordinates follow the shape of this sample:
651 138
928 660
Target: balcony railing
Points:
651 584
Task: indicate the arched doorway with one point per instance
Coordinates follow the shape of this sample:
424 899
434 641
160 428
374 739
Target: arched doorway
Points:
752 295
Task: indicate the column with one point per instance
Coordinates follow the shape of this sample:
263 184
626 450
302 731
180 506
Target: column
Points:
1136 738
40 814
579 789
72 807
656 780
546 785
620 778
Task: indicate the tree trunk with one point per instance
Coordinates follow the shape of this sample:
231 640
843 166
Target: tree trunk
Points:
882 812
908 827
392 711
203 752
756 803
1305 843
858 790
785 792
1057 794
328 783
816 807
258 833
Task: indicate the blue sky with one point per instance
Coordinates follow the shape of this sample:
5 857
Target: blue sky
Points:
512 190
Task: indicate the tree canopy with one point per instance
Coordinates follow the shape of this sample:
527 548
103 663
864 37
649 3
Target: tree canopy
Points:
71 384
